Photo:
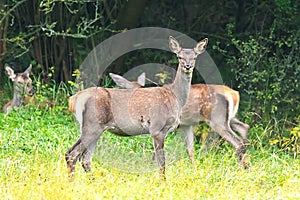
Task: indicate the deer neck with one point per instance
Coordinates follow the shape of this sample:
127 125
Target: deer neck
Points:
18 97
181 85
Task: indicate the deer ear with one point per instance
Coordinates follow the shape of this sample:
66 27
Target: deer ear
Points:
120 81
28 70
142 79
201 46
10 72
174 45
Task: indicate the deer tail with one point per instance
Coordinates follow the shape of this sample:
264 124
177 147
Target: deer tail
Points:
72 103
236 101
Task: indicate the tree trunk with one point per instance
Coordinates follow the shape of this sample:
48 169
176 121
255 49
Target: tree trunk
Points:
3 34
37 47
128 19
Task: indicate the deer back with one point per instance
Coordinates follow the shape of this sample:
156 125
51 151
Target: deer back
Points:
130 111
201 101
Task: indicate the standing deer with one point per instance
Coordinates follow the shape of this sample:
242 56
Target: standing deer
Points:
217 105
129 112
22 87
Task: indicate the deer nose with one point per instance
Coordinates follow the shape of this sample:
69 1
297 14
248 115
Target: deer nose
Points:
31 92
188 67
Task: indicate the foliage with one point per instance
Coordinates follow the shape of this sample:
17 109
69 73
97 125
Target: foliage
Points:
267 69
263 71
53 32
264 64
290 141
263 78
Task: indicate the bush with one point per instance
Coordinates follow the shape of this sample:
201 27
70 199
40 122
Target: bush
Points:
267 76
266 67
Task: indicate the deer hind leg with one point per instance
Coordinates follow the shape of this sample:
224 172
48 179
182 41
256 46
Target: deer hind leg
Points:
84 147
240 127
72 155
221 124
226 132
87 156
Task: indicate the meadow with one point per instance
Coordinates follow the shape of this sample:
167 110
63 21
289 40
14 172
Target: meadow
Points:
34 139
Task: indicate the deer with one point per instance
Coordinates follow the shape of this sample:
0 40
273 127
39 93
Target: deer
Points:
23 90
217 105
129 112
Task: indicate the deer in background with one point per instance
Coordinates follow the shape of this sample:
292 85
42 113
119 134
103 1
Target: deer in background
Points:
124 83
217 105
129 112
23 89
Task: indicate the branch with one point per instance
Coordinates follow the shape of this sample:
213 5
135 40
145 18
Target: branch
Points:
11 10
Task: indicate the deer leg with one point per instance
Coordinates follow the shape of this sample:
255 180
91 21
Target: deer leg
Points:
227 133
240 127
160 125
211 140
158 143
84 147
87 156
153 157
72 156
189 140
221 124
220 115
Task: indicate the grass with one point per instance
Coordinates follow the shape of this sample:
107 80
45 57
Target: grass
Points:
33 142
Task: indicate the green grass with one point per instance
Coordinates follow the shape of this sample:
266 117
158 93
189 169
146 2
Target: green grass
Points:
33 142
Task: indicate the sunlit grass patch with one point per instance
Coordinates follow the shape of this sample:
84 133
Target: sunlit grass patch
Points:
33 142
135 154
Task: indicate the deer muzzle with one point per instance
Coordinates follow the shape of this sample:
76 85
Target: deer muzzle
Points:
187 67
31 92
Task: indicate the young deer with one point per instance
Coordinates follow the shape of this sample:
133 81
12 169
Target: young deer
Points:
22 87
129 112
217 105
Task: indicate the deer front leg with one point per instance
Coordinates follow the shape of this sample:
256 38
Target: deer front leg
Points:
189 140
158 143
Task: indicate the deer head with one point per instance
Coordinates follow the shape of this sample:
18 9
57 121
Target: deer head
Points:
22 87
22 81
187 57
122 82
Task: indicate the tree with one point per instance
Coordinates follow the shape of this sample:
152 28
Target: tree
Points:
53 34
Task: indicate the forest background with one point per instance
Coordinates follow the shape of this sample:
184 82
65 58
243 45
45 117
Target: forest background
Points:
255 45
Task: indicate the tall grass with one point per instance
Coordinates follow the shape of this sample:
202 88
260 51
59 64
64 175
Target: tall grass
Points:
33 141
